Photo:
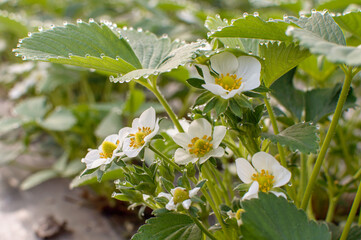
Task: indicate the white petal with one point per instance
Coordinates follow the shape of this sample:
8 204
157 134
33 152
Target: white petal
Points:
206 75
234 92
123 133
252 191
218 134
193 192
130 151
182 157
282 176
186 204
224 63
135 124
182 139
244 170
91 156
248 68
153 133
147 118
279 194
215 89
199 128
112 138
171 206
252 82
263 160
218 152
96 163
165 195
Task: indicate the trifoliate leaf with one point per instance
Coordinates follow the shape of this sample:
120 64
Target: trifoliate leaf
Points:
274 218
301 136
279 58
170 226
32 109
87 45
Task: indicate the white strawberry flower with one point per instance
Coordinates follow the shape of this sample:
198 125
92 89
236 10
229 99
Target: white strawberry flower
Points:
235 75
179 196
142 131
265 174
105 154
199 143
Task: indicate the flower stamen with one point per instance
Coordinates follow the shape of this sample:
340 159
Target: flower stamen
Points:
137 139
264 179
108 149
229 82
200 146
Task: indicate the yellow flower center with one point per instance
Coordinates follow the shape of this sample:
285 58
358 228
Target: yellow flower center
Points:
238 213
180 195
200 146
229 82
107 149
137 139
264 179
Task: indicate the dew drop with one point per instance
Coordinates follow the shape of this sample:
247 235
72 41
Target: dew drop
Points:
313 11
225 20
125 28
256 14
285 17
65 23
52 26
111 78
131 28
218 16
232 21
219 28
29 34
70 54
164 36
270 19
20 41
16 54
114 194
40 29
87 55
102 55
79 21
18 45
139 30
250 52
245 14
117 181
23 57
91 20
289 184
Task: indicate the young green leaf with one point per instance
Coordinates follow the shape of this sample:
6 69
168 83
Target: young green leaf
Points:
260 223
301 136
170 226
38 178
196 82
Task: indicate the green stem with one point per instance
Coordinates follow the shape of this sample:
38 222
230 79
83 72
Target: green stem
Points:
206 172
204 230
329 135
220 183
87 89
276 131
154 88
212 201
165 158
304 176
351 216
331 208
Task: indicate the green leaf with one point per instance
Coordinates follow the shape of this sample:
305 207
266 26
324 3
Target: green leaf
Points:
301 136
279 58
326 99
318 67
287 95
10 152
38 178
213 23
61 119
32 108
350 22
260 223
322 36
337 4
177 55
9 23
112 173
168 186
134 101
170 226
255 27
196 82
87 45
203 98
9 124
